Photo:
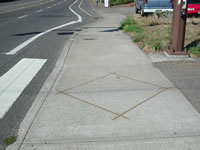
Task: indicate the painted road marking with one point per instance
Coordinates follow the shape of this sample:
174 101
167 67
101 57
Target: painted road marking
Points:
15 81
22 17
48 7
39 11
83 9
18 48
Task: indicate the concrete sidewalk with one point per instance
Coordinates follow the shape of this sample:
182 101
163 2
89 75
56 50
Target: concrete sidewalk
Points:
109 97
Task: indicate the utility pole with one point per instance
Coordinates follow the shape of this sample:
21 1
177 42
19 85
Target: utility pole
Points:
178 28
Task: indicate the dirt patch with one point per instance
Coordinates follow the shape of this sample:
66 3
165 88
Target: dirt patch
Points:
156 31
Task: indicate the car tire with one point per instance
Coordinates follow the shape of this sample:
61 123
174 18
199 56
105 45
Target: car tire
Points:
136 10
142 12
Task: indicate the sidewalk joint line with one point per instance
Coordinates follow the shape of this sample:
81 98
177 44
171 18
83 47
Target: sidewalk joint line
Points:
144 101
84 83
140 81
102 108
111 140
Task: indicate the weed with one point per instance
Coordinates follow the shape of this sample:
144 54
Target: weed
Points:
130 25
139 37
169 30
128 21
9 140
132 28
157 44
195 49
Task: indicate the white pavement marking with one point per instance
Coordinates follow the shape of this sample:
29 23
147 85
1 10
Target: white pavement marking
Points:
15 81
83 9
22 17
48 7
18 48
39 11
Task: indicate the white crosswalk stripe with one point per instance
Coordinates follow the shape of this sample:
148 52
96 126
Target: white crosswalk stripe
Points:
15 81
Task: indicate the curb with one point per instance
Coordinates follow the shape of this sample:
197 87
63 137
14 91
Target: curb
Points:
42 95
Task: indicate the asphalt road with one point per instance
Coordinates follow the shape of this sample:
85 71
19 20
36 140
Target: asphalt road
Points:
19 22
185 76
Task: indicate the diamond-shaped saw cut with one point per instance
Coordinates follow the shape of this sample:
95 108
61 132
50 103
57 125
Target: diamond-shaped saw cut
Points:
114 93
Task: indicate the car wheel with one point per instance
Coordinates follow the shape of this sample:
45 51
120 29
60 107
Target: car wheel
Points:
136 10
142 12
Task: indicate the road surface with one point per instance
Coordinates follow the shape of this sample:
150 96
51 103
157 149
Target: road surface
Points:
33 35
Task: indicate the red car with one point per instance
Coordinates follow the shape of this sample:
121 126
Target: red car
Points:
193 7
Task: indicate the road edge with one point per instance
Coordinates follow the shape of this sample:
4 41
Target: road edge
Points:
42 95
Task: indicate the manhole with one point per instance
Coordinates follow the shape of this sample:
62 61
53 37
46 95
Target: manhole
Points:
90 39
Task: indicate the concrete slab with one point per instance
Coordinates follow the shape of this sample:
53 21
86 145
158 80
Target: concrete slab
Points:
114 92
65 118
93 93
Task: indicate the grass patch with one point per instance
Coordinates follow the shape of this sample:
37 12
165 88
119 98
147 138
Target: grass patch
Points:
9 140
153 32
132 28
130 25
128 21
139 37
157 44
195 50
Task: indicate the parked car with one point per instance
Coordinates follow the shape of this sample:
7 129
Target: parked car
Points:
150 6
193 7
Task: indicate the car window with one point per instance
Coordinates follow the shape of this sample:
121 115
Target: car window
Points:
193 1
